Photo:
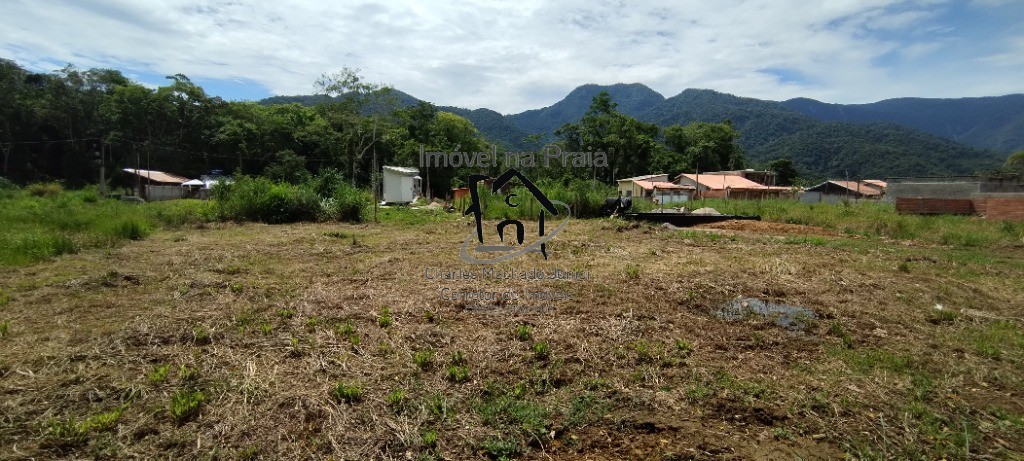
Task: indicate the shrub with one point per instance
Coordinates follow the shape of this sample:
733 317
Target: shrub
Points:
44 189
346 203
130 229
262 200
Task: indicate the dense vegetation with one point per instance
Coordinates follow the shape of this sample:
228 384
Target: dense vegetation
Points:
987 123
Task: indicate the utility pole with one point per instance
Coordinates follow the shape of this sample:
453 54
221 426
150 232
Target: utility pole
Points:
103 167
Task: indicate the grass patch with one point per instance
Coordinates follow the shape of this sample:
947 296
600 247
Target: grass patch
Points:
996 340
867 360
71 432
185 405
349 393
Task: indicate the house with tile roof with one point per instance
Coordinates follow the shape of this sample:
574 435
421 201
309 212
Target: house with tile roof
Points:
730 186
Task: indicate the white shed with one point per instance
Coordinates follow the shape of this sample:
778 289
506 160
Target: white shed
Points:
401 184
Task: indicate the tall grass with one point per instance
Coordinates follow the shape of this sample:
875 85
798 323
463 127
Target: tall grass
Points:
876 219
260 199
37 226
584 198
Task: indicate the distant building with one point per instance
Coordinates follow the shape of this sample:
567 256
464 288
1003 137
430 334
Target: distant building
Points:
730 186
401 184
656 188
156 185
835 191
762 177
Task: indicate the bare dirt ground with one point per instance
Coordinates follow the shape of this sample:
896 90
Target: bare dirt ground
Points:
330 341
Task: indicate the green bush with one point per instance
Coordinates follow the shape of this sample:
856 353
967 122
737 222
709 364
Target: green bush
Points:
44 189
346 203
262 200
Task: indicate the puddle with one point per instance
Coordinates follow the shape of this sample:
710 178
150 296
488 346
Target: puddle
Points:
786 316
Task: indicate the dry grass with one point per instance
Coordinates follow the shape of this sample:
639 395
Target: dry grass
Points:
277 326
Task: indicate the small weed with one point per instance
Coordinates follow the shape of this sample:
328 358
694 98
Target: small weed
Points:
458 374
782 433
429 438
336 234
5 327
699 392
524 332
632 271
941 316
684 348
385 348
836 329
644 351
541 350
396 400
188 375
429 316
185 405
4 298
903 267
159 374
200 335
312 323
458 358
286 313
347 393
385 320
424 360
500 449
266 328
236 288
437 406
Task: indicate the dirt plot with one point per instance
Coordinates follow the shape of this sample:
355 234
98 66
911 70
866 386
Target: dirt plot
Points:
767 228
317 341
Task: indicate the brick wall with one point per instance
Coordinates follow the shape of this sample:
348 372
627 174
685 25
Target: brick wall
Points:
934 206
1003 208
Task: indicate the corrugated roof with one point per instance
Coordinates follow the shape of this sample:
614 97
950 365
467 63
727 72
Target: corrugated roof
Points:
722 181
644 177
877 182
403 169
157 176
854 186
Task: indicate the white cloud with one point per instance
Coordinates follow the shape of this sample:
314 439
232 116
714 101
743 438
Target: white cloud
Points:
515 56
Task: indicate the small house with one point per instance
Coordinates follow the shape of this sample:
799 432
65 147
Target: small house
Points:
156 185
835 191
401 184
654 187
730 186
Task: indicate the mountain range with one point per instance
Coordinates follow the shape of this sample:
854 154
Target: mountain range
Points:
894 137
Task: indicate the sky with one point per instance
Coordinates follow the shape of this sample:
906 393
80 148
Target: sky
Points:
512 56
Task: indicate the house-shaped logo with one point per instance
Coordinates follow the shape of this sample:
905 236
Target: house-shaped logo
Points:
510 243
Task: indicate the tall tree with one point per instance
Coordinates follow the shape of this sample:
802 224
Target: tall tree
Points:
706 146
628 143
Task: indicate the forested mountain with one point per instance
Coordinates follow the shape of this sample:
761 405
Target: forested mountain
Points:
988 123
631 99
874 150
495 127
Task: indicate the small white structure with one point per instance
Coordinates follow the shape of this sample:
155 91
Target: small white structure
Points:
401 184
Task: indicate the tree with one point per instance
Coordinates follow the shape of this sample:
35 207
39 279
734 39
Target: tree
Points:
1015 163
706 146
785 171
629 144
348 97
